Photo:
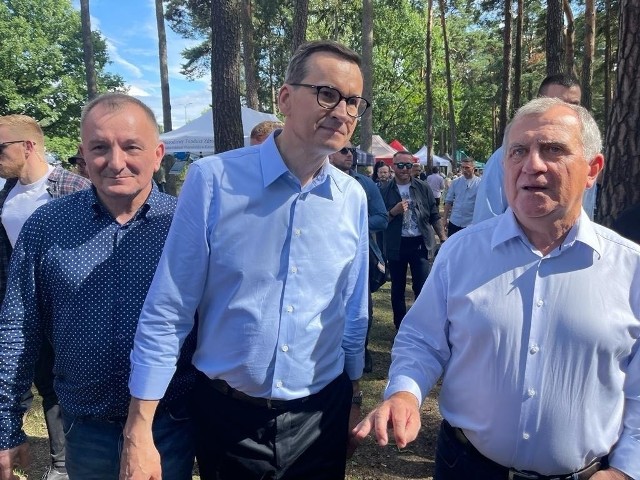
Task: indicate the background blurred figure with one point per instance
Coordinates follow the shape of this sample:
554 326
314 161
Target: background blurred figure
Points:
80 165
436 182
262 130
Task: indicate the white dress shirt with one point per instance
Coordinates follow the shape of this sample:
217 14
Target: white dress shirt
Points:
539 354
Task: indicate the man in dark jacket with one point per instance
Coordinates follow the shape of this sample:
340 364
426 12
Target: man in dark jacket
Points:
413 217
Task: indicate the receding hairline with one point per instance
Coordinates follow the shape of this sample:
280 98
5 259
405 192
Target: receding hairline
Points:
114 101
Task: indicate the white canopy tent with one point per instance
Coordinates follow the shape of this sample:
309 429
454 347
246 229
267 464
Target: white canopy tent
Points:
197 135
423 155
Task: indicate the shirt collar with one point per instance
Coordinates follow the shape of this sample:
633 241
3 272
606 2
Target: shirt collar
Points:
582 231
273 167
100 210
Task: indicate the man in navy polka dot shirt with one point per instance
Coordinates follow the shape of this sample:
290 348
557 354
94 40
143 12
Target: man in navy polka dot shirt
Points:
79 275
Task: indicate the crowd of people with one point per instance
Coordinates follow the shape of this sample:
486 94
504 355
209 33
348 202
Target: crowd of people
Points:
231 326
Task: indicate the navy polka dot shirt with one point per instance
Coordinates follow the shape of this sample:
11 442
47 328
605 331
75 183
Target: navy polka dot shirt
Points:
80 278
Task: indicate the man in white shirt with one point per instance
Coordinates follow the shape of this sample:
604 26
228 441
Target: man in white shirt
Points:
30 183
461 198
541 368
436 182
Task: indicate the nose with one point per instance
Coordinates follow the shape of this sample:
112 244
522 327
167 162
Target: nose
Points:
534 163
117 159
340 111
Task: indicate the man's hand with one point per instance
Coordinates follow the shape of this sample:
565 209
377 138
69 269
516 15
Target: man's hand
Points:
140 458
400 412
610 474
12 458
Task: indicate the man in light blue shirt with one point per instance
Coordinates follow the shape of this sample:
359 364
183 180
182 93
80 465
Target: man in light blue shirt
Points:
269 245
461 198
491 199
541 368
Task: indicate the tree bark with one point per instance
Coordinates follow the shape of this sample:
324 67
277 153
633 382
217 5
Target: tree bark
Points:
366 123
87 45
299 24
589 52
251 82
429 88
225 75
505 101
452 117
554 44
517 61
622 145
569 39
164 70
607 64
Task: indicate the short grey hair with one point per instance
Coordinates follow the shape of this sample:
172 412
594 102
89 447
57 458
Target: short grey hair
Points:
297 69
590 133
115 101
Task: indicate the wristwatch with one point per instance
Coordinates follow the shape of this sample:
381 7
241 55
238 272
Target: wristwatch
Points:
357 398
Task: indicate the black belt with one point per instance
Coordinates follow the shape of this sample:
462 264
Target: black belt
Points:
512 473
268 403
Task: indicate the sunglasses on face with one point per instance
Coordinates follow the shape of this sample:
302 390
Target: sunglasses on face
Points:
345 150
402 165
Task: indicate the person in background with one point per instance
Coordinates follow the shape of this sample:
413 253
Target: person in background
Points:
283 326
78 162
436 182
461 198
377 221
31 183
409 238
384 175
541 371
628 223
417 171
79 273
262 130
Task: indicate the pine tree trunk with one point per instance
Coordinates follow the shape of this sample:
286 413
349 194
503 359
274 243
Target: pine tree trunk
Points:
299 24
248 58
366 123
569 39
589 52
225 75
87 45
452 118
517 61
505 101
554 44
164 70
429 88
622 145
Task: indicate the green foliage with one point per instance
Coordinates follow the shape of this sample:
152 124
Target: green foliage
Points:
42 65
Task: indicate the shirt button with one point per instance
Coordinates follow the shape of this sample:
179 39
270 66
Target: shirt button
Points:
289 309
121 299
122 262
539 303
279 384
120 337
285 348
525 436
297 232
531 392
294 269
534 349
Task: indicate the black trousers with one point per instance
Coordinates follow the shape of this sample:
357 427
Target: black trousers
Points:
413 254
453 228
239 440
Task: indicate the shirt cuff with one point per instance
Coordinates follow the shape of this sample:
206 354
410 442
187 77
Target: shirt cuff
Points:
402 383
354 365
11 433
149 383
626 456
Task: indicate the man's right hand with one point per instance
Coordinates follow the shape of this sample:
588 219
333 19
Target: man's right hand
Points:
401 412
12 458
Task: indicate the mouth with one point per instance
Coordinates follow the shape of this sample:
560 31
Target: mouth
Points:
534 188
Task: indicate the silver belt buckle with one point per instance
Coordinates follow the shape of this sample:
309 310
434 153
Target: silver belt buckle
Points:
518 475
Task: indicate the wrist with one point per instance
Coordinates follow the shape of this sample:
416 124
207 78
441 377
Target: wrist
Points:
357 397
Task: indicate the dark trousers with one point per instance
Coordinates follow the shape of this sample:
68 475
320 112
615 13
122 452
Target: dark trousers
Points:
414 254
239 440
453 228
43 380
457 460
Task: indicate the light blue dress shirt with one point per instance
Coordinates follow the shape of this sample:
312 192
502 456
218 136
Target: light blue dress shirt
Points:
462 194
539 355
278 273
492 198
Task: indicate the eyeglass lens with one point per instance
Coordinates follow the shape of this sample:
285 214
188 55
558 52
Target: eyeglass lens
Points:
401 165
329 97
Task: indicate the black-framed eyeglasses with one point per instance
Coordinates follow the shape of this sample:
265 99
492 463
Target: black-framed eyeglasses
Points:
6 144
329 97
401 165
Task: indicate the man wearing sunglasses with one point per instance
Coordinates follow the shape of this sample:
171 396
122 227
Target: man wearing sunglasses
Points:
413 217
344 160
30 183
270 245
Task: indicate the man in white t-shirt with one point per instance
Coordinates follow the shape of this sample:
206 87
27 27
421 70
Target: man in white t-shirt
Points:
30 183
